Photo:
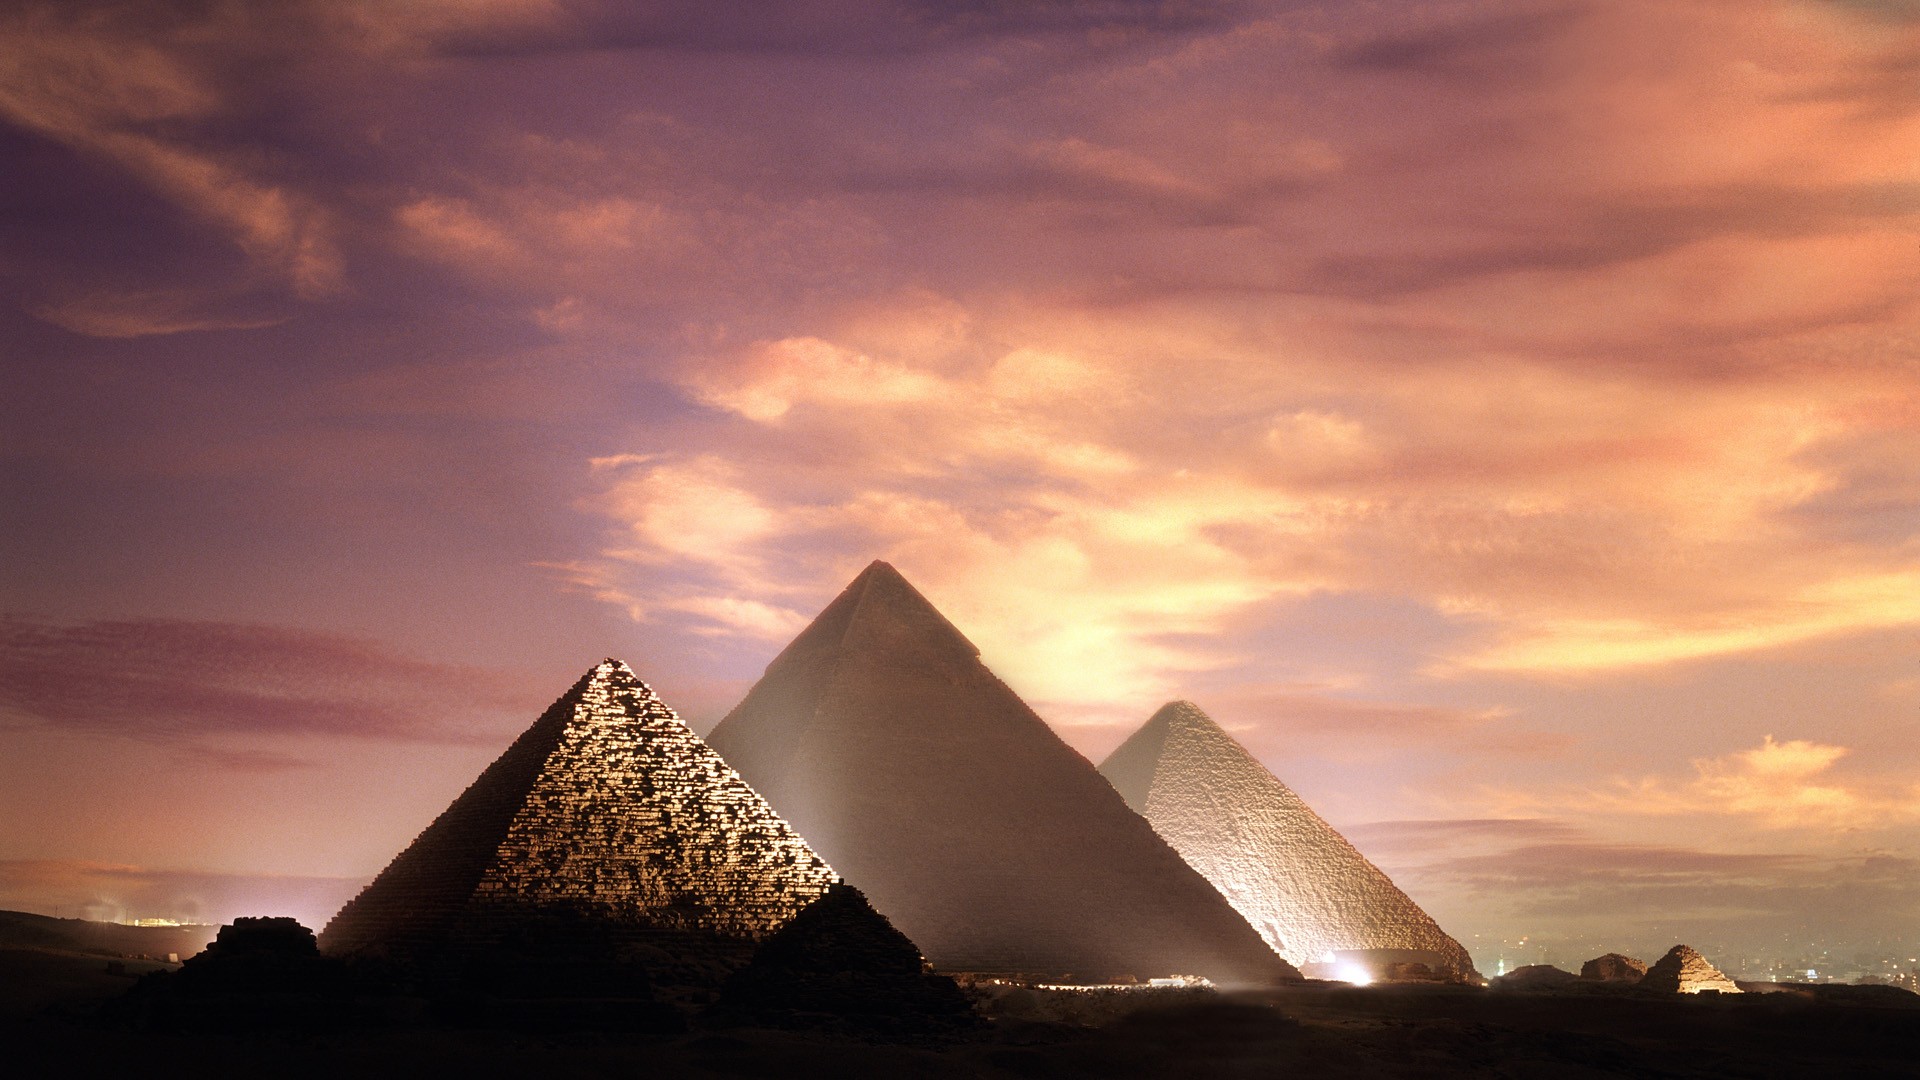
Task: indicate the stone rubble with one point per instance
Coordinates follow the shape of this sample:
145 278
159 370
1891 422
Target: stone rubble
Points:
1613 968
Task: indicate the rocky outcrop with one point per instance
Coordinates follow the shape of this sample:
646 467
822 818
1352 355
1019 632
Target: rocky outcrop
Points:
880 735
1536 977
1307 890
1613 968
1684 971
840 966
608 852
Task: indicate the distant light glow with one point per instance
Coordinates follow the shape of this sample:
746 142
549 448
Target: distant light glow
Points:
1353 973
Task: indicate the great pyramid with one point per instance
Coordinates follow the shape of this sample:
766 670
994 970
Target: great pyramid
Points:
1307 890
987 840
607 832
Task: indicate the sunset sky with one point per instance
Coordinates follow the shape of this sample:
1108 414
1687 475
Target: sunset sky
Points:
1503 415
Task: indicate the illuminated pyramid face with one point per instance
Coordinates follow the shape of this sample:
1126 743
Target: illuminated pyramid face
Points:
1307 890
982 836
1684 971
608 817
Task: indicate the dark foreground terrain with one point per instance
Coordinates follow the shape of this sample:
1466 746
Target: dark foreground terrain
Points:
61 1014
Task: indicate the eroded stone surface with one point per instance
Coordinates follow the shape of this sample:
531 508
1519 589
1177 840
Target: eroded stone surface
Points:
1536 977
839 965
1613 968
965 820
1307 890
1685 971
607 828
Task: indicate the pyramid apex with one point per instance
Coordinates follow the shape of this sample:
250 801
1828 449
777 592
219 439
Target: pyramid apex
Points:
611 668
1184 713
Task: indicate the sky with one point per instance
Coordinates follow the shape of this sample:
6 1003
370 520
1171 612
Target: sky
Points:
1503 416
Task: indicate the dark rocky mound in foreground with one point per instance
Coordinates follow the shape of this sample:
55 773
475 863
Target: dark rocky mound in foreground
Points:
1881 997
1613 968
257 973
840 966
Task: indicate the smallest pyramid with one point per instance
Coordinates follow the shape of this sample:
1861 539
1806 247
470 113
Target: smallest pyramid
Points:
1613 968
1684 971
841 965
1307 890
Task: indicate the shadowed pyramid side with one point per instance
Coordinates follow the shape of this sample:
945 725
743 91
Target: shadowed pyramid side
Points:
964 818
409 905
1293 876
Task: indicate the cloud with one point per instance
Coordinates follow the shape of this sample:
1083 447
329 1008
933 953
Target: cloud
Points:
1397 840
1500 883
182 682
112 87
145 314
1788 784
1094 503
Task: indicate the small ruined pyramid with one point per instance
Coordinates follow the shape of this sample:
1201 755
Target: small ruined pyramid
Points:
607 831
1301 884
1614 968
829 969
966 820
1684 971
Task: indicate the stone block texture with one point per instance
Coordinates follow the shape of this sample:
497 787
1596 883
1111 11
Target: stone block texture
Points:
1684 971
608 828
966 821
1613 968
1295 879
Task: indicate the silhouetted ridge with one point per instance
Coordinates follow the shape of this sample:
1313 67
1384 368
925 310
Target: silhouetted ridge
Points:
980 834
841 964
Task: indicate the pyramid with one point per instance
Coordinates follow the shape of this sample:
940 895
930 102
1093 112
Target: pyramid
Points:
1300 883
965 819
841 966
1613 968
607 830
1536 977
1684 971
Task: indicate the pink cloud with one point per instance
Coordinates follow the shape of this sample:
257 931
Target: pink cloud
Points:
177 681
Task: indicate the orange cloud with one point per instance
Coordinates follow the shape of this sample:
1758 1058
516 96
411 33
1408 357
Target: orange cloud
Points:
1779 785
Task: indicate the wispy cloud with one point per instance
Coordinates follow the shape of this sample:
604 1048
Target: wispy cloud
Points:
1787 784
182 682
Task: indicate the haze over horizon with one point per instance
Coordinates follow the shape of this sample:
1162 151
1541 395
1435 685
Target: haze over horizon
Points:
1503 416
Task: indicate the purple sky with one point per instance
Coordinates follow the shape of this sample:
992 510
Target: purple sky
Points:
1504 416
